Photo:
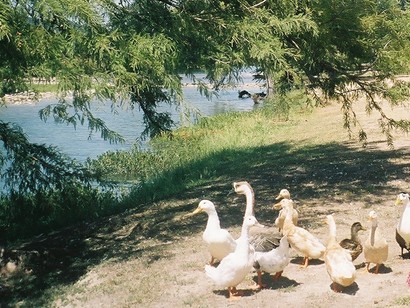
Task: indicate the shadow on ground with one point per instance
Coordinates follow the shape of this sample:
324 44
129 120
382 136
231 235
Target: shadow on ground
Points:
315 173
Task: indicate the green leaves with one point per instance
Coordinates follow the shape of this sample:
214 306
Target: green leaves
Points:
4 17
131 53
36 167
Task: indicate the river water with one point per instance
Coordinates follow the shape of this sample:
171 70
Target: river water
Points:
79 144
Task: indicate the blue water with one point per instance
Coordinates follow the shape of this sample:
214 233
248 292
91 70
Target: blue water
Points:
79 144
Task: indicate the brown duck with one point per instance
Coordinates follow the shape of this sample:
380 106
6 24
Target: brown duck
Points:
353 244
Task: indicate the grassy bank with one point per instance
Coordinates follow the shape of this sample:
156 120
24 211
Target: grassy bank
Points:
43 87
188 158
208 150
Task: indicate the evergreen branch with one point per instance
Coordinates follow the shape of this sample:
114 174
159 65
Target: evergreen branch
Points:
33 167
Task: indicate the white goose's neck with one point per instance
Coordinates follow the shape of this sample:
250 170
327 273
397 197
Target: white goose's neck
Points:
213 220
245 232
405 214
250 201
243 240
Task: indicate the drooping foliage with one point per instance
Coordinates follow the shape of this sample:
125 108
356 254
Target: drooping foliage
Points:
37 167
45 188
360 51
131 53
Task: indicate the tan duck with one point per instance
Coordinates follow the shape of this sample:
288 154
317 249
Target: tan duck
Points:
262 238
235 266
403 226
375 249
220 242
353 244
284 194
338 260
304 242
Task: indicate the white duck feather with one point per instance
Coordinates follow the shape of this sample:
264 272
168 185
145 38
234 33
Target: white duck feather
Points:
234 267
220 242
273 261
403 226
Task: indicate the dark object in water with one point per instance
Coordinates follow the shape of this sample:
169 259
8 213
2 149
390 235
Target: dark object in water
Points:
244 94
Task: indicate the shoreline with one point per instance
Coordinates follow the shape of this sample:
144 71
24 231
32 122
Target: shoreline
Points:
30 97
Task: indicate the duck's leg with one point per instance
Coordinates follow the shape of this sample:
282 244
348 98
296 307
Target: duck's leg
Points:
234 294
376 271
212 262
260 284
305 262
335 287
367 267
277 275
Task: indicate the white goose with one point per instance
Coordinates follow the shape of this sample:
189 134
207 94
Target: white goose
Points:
220 241
338 260
234 267
262 238
403 226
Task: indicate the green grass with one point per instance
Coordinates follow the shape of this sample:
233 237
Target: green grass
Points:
403 301
237 145
49 87
193 155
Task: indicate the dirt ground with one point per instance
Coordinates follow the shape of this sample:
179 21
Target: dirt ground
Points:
309 287
156 258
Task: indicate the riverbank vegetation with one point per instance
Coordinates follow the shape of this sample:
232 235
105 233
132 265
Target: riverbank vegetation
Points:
177 158
43 87
173 163
305 52
123 53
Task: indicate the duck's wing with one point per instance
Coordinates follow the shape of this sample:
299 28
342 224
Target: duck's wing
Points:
348 244
402 242
266 240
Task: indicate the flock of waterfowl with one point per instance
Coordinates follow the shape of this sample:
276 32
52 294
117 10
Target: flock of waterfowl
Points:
267 249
